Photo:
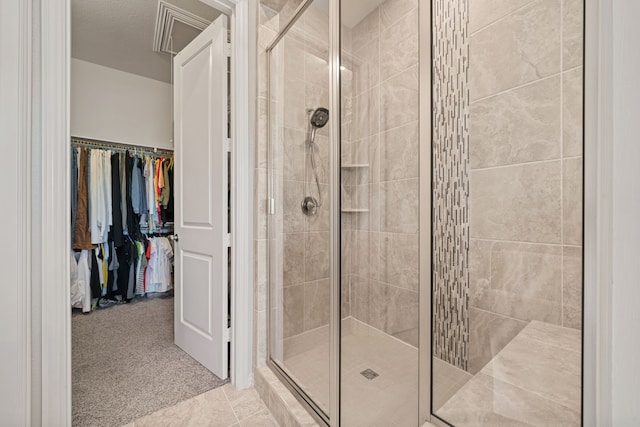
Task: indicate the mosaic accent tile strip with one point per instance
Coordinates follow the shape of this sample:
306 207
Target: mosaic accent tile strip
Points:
451 181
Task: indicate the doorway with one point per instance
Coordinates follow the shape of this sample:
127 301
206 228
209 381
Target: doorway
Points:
145 362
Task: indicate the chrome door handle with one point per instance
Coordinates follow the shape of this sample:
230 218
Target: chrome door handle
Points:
174 237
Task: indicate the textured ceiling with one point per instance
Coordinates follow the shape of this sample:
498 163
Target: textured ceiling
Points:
119 34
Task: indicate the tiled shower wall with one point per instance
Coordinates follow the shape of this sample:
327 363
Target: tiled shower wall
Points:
451 181
300 81
526 169
380 130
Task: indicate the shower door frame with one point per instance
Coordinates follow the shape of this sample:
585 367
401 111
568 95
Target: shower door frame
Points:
333 417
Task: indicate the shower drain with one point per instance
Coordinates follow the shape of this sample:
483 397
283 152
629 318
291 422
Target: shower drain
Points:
369 374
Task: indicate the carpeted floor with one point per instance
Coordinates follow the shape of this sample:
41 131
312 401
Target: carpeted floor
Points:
125 364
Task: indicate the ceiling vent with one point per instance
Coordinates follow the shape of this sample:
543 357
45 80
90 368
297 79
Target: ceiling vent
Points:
171 19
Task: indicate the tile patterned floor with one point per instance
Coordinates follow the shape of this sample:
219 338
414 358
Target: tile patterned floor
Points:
221 407
533 380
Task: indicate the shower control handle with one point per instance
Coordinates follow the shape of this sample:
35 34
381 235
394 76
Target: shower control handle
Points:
309 206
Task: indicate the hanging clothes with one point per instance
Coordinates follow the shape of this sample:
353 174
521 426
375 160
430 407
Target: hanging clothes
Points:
112 195
80 278
116 233
74 192
158 273
82 236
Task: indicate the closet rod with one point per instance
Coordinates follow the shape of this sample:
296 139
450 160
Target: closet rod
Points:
117 146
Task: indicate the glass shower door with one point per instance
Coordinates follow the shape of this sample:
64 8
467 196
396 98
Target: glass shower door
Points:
300 205
507 206
380 213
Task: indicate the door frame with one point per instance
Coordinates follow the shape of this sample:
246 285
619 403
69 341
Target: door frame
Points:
54 313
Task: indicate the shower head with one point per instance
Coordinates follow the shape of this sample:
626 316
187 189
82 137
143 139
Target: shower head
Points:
319 118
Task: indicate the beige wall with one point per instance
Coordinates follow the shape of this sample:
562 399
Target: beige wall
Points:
526 169
380 129
112 105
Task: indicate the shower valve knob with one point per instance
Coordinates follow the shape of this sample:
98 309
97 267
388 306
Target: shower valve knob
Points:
309 206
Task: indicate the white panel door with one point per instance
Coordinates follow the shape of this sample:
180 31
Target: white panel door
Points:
201 204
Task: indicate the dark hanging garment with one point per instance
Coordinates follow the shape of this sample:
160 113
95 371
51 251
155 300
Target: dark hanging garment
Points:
113 266
96 290
126 259
169 209
74 193
116 231
133 221
123 191
82 236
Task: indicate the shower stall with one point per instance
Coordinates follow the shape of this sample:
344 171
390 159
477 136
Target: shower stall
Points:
424 208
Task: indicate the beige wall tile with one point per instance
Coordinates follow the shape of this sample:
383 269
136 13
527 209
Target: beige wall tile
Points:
261 338
316 94
526 282
517 203
521 48
345 292
379 304
479 265
572 112
366 29
260 272
363 259
399 262
360 298
293 152
293 259
399 99
519 126
262 136
293 109
392 10
399 206
572 201
366 66
572 287
488 334
392 309
399 153
294 219
316 24
316 304
402 312
293 313
317 256
366 113
573 26
319 221
485 12
399 45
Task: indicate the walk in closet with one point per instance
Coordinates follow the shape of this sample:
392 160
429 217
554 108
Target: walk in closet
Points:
149 283
121 223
